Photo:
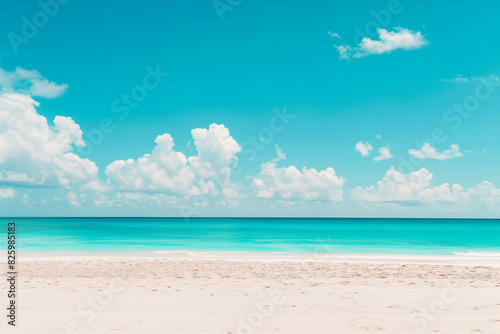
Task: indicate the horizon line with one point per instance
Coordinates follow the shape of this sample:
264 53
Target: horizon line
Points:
240 217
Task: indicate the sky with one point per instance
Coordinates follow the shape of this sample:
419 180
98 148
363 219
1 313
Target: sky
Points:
249 108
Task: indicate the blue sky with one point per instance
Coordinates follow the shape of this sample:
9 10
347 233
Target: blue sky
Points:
236 64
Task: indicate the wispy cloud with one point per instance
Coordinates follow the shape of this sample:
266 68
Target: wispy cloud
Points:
458 79
279 154
388 41
476 80
333 34
29 82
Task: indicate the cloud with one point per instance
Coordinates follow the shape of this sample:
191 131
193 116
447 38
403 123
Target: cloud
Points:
429 152
29 82
492 78
458 79
73 199
7 193
363 148
279 154
216 151
344 51
487 193
97 185
169 171
173 205
388 41
130 200
290 183
35 153
384 154
333 34
162 170
413 188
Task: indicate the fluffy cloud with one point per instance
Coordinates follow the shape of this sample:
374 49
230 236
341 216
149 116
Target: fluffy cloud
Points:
413 188
383 154
388 41
344 51
34 153
162 170
290 183
429 152
29 82
363 148
166 170
487 193
7 193
216 151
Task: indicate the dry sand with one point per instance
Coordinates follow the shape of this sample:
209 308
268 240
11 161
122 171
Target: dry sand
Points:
186 293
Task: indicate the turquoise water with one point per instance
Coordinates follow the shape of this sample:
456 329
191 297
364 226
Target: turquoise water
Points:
297 235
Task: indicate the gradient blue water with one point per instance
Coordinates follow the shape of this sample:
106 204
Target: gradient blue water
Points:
298 235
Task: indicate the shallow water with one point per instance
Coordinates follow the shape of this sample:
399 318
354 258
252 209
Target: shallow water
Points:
295 235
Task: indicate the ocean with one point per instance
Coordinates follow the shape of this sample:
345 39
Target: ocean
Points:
293 235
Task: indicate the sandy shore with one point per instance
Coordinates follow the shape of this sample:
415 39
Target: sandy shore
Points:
179 292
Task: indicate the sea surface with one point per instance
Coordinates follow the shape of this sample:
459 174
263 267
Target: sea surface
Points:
293 235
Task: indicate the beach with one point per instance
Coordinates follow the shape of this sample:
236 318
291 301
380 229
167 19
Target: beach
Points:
246 167
223 292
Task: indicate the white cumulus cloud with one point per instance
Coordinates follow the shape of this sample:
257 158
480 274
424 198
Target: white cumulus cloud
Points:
429 152
290 183
413 188
36 153
162 170
388 41
216 151
171 172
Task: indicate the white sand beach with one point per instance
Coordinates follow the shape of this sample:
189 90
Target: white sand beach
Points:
218 293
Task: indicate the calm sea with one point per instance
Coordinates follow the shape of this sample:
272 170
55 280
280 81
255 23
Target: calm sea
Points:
297 235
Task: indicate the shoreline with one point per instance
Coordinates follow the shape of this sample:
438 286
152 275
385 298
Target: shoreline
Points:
472 258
